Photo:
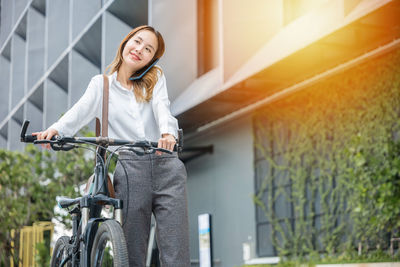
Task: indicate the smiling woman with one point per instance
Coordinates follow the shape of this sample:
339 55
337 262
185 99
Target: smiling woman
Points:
139 110
139 49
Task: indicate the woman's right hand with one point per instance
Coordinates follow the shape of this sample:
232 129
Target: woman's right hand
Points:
47 134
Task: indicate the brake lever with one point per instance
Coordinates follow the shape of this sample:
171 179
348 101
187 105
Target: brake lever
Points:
43 141
55 145
63 147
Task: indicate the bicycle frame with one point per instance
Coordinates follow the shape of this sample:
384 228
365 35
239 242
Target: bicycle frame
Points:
86 216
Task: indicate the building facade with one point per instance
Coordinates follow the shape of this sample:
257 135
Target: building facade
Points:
225 60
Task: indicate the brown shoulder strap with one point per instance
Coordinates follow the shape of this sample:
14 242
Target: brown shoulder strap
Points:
104 114
104 131
104 123
97 127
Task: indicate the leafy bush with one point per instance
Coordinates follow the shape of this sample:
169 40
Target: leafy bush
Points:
327 164
29 183
42 256
375 194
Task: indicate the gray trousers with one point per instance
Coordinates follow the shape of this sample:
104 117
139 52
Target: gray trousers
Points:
154 184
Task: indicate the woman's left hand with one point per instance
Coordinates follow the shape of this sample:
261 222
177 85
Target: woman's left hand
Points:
167 141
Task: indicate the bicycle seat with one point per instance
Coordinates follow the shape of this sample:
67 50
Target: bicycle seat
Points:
64 202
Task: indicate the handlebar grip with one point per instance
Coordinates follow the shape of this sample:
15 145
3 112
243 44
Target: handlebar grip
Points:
34 139
28 138
44 141
178 146
155 144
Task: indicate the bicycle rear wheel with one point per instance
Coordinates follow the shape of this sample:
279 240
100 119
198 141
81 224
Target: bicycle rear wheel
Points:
60 252
109 246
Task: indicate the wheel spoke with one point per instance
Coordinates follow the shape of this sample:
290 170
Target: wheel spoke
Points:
60 252
105 253
109 247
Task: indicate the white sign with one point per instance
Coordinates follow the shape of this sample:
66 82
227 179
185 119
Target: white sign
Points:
204 240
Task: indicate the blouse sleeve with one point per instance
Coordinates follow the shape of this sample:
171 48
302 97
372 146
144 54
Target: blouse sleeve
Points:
83 111
161 108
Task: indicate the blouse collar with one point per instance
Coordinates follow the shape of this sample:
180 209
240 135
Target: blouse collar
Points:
117 83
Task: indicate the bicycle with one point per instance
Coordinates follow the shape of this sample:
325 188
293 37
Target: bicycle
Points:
95 240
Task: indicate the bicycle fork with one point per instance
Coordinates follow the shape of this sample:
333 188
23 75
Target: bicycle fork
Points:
85 218
118 215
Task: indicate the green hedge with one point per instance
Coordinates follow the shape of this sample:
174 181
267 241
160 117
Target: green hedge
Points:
337 145
29 184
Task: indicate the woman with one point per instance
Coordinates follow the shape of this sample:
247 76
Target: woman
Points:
139 110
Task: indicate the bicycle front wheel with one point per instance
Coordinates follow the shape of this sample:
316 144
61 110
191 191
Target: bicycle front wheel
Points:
60 253
109 246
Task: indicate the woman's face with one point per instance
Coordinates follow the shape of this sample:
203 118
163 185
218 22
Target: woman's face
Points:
140 49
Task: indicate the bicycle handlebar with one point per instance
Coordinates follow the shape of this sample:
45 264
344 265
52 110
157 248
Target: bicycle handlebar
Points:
65 142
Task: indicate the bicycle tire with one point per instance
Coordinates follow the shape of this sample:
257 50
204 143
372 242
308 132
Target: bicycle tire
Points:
111 231
60 252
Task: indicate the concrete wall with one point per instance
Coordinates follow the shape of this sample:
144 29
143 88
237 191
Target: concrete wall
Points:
222 184
52 48
177 21
246 27
49 50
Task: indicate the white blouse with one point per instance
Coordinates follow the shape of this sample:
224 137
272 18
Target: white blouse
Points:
127 119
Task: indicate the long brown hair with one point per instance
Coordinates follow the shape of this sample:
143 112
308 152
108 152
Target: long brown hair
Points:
149 80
